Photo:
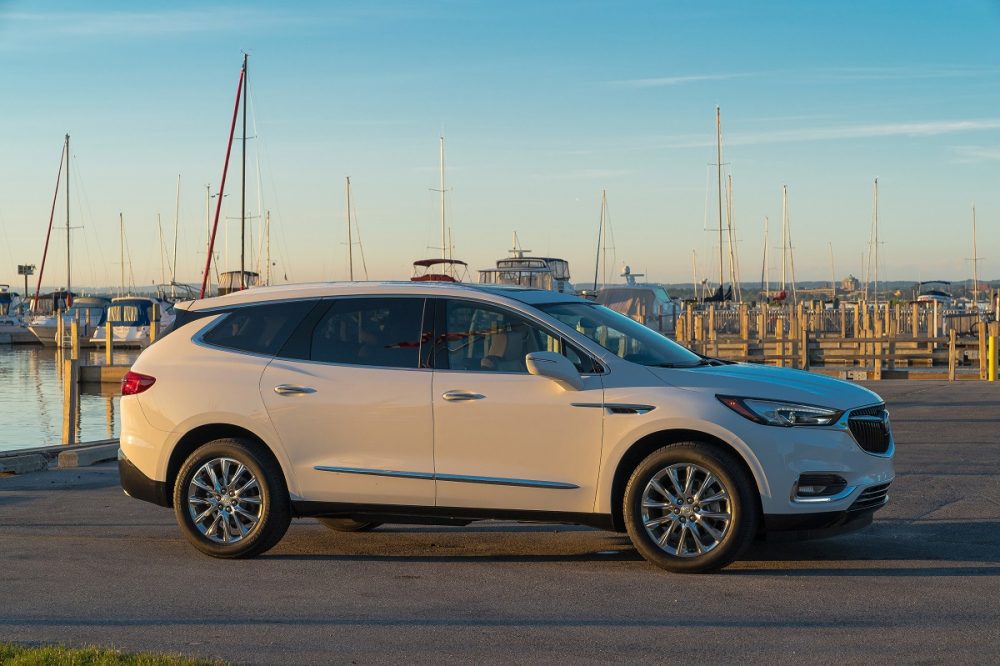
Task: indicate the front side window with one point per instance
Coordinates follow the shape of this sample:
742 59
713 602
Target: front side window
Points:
384 332
479 337
622 336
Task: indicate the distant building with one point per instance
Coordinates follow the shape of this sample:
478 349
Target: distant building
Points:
850 284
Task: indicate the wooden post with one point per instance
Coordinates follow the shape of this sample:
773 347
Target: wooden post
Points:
154 322
952 355
679 330
982 350
915 322
60 329
877 348
108 342
74 338
994 331
779 334
744 323
804 348
856 333
689 315
843 321
71 400
762 322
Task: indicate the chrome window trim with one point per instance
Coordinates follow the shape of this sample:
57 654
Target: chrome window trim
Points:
457 478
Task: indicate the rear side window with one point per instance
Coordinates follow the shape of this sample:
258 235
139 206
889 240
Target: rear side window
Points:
258 329
383 332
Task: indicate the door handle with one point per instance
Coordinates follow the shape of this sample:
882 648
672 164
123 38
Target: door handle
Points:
289 389
462 395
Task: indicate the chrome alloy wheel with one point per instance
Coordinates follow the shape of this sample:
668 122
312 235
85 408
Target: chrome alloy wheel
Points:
686 510
224 500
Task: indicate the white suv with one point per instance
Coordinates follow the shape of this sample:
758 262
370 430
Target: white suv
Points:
371 403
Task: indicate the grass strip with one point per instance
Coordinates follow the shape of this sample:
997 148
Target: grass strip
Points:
12 654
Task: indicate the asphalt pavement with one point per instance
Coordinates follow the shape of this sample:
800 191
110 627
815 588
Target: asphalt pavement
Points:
81 563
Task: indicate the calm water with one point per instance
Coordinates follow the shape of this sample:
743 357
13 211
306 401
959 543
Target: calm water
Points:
31 398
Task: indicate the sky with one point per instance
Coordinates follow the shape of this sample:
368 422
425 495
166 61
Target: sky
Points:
543 105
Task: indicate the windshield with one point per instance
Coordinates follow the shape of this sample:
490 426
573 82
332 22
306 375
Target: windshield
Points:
622 336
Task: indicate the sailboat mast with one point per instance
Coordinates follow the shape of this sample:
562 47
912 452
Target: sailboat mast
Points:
444 240
243 195
267 226
718 149
764 286
604 240
833 273
975 264
160 248
350 249
791 259
875 222
784 233
121 251
177 217
600 236
69 289
734 277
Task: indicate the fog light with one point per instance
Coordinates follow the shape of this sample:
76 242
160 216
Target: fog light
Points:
818 486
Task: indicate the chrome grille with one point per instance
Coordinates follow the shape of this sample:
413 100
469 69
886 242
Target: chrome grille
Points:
870 427
871 498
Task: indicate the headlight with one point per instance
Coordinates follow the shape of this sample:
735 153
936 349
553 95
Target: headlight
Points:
776 413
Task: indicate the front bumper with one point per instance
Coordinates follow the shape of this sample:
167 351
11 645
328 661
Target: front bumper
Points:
781 527
138 485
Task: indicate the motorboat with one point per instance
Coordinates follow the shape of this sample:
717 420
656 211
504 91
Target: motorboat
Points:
131 317
13 329
88 311
547 273
439 270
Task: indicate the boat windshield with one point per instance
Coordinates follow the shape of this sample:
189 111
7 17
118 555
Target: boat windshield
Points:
622 336
130 313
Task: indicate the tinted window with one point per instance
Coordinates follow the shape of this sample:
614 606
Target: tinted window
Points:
260 329
622 336
482 338
384 332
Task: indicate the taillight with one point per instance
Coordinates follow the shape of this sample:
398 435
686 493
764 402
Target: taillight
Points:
134 382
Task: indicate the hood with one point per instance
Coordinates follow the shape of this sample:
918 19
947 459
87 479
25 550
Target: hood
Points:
761 381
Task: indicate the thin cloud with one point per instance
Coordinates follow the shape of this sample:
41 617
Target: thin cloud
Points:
971 154
132 23
665 81
841 132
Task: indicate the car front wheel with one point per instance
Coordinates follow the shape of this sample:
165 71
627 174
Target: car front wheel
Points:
230 499
690 507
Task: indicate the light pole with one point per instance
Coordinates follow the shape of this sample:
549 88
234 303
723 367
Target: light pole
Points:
25 270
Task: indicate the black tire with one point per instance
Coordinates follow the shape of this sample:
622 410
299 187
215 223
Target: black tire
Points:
691 537
267 501
348 524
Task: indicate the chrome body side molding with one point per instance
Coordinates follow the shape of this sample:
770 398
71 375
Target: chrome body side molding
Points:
457 478
618 407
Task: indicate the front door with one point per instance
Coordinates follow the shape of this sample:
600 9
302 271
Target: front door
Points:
503 438
352 405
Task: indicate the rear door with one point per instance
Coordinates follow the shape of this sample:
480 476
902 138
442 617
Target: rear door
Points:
352 405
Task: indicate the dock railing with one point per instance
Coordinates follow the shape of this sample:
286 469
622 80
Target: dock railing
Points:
854 340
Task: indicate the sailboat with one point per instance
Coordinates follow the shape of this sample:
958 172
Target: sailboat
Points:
132 316
444 268
87 311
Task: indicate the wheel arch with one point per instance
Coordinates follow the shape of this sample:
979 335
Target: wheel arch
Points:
206 433
644 446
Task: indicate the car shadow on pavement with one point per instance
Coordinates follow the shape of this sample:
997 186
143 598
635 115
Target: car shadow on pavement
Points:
890 548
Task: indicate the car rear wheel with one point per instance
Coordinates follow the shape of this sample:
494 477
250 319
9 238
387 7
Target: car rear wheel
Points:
230 499
348 524
690 507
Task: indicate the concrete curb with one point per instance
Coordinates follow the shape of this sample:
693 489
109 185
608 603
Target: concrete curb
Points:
85 456
34 462
25 461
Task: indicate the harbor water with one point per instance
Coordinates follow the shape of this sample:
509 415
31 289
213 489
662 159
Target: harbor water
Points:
31 398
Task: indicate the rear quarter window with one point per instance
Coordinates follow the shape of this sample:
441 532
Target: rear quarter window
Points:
258 329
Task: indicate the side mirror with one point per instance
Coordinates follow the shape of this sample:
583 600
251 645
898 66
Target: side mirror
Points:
556 367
